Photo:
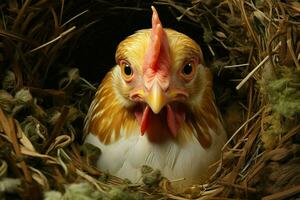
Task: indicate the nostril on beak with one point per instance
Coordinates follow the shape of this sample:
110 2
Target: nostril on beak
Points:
136 96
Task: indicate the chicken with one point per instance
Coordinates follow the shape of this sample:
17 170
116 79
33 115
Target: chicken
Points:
156 107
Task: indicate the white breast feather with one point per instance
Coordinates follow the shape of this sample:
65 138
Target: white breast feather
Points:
125 157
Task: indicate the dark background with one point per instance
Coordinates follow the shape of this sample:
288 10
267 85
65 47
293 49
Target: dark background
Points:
94 51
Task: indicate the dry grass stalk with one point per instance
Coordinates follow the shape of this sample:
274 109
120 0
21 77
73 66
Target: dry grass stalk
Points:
284 194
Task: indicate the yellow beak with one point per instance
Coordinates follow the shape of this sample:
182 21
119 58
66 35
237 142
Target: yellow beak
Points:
156 98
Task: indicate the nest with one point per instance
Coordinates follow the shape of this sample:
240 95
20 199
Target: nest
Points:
252 47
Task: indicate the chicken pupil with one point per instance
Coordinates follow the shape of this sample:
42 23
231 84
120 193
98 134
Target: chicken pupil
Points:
127 70
187 69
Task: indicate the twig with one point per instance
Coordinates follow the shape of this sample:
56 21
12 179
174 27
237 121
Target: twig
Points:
244 15
76 16
241 162
20 15
254 170
172 196
283 194
252 72
250 102
10 160
256 68
3 19
88 83
89 179
234 66
291 133
223 25
17 37
241 127
16 146
61 11
54 40
261 13
248 189
7 125
290 48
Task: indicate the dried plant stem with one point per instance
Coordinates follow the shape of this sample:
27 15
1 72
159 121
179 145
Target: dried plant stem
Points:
290 48
256 169
20 15
76 16
283 194
261 13
10 160
223 25
241 127
244 16
248 189
61 11
9 128
256 68
15 143
55 19
250 103
89 179
246 149
171 196
17 37
54 40
234 66
291 133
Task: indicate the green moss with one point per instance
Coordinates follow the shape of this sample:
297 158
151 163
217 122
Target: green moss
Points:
9 184
272 128
122 194
76 191
53 195
150 177
85 191
146 169
284 93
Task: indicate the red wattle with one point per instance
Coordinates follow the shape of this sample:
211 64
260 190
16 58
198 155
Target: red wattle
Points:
170 118
174 120
145 120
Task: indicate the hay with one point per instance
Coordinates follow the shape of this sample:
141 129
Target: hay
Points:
255 44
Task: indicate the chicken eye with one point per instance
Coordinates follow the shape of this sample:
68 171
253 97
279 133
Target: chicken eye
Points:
188 70
126 70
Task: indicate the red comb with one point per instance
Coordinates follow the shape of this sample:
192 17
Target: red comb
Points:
157 57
